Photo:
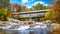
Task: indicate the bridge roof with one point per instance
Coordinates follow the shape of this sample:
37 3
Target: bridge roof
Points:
30 14
37 11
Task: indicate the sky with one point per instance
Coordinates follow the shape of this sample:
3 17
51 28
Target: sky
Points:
30 3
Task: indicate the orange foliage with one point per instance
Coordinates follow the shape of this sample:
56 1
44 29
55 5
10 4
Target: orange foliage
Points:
56 11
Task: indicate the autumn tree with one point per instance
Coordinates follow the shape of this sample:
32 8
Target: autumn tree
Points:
48 14
56 12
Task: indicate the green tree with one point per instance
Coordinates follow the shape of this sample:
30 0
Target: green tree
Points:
29 9
39 7
3 8
3 12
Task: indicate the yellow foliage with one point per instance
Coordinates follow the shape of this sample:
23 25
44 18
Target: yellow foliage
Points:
48 14
5 11
9 14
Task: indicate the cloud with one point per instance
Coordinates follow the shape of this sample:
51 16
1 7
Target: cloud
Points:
10 1
33 4
24 1
27 1
39 2
45 4
28 6
13 1
30 0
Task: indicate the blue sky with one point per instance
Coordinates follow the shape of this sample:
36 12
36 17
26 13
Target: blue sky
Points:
30 3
